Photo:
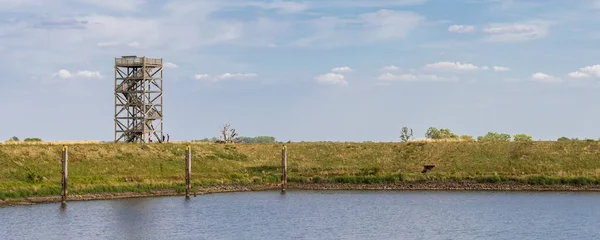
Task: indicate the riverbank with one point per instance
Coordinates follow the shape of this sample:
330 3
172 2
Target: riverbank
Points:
424 186
29 171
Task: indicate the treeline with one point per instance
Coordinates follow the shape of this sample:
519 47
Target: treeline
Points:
16 139
446 134
257 139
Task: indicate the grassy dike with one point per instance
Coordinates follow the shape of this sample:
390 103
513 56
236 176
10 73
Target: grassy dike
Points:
32 171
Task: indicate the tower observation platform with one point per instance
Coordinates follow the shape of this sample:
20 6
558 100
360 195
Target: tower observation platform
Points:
138 99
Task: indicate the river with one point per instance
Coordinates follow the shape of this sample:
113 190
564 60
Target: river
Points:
315 215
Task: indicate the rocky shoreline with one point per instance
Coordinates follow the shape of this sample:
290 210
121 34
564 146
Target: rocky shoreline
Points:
429 186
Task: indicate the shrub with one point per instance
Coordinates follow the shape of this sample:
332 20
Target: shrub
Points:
560 139
33 140
522 138
444 133
494 137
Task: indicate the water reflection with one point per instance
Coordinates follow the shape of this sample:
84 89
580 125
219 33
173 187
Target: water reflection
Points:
314 215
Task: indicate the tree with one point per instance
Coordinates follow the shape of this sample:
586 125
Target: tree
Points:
433 133
521 137
494 137
405 134
229 135
561 139
224 131
232 135
444 133
13 139
447 134
32 140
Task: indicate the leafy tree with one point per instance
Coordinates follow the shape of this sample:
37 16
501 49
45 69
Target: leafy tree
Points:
465 137
447 134
560 139
405 134
13 139
433 133
444 133
521 137
32 140
494 137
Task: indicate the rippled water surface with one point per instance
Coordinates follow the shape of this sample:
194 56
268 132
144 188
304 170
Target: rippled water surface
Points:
315 215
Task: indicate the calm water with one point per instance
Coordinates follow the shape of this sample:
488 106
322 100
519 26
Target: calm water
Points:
315 215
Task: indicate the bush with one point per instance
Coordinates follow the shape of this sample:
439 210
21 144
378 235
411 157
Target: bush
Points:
494 137
522 138
13 139
444 133
33 140
561 139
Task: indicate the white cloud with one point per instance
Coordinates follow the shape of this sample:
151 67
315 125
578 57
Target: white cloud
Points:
170 65
380 26
585 72
66 74
453 66
485 68
388 77
501 69
398 77
390 68
201 76
120 5
236 75
505 32
284 6
63 73
108 44
390 25
578 75
341 69
332 78
88 74
542 77
225 76
134 44
461 29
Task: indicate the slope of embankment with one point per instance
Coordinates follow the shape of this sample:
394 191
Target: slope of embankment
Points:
32 171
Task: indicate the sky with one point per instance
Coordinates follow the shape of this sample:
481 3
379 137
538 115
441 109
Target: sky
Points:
312 70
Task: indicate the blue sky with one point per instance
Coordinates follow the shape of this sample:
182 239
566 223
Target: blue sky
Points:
328 70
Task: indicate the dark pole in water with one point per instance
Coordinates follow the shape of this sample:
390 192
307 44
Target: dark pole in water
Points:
188 170
65 174
283 168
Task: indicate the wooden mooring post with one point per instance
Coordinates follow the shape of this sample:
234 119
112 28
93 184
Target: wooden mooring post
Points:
65 174
188 171
283 168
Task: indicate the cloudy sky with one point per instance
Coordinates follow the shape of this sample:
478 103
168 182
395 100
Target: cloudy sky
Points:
331 70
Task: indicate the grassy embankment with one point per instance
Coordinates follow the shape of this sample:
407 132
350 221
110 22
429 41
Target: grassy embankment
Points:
34 169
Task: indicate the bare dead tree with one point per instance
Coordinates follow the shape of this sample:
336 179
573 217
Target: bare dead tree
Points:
232 135
224 131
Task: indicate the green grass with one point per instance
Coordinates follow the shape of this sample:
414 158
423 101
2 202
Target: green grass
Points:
35 170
